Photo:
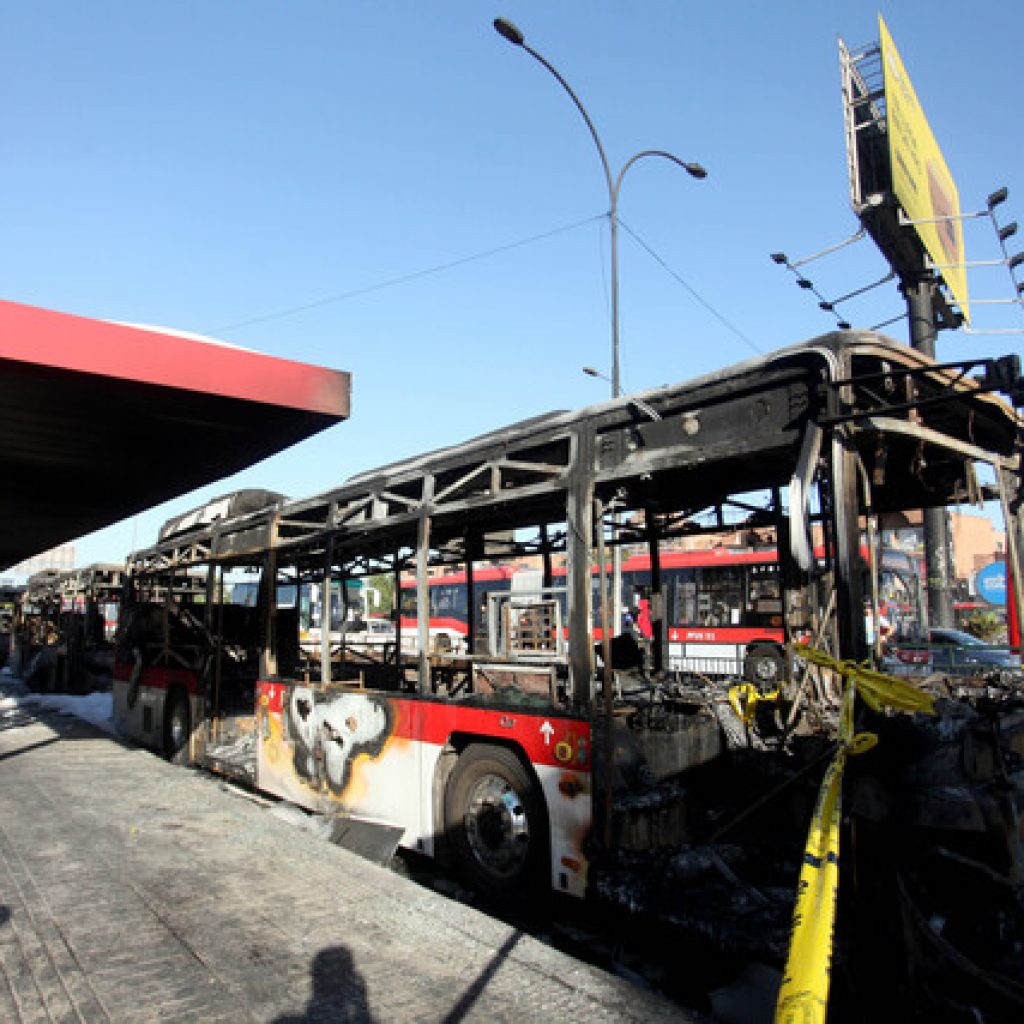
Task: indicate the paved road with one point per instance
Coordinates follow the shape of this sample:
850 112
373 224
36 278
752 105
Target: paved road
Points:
134 891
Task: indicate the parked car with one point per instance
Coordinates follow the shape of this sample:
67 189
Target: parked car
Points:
956 653
369 635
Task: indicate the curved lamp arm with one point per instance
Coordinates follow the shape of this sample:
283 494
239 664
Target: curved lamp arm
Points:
695 170
508 31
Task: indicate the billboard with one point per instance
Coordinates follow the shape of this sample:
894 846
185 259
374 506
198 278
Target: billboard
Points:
921 180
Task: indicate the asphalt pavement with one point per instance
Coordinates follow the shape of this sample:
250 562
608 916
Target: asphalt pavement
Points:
133 890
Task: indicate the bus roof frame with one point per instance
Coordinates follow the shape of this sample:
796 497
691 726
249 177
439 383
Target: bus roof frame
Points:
740 430
535 463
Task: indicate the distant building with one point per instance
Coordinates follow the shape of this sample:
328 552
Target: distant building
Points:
62 557
977 541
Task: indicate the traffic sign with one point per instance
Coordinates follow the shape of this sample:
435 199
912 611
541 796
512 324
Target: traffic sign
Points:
991 583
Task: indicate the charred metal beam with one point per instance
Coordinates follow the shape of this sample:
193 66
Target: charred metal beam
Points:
579 516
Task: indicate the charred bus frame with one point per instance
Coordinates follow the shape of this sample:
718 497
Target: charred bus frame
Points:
505 757
69 617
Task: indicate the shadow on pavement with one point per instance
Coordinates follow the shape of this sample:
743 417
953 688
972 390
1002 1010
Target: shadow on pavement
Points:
339 992
473 993
31 746
31 709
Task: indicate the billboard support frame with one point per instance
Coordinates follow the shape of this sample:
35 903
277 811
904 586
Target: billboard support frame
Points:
897 173
873 194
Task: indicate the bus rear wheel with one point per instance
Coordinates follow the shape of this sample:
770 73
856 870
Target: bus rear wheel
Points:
177 727
495 822
765 668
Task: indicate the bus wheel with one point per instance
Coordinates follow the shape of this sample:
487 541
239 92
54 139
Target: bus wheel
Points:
765 668
495 821
177 727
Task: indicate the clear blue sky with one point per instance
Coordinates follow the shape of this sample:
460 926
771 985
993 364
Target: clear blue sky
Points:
258 171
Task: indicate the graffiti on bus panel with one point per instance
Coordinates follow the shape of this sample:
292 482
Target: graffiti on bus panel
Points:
329 733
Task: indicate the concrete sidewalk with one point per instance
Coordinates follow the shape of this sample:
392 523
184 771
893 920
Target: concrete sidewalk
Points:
135 891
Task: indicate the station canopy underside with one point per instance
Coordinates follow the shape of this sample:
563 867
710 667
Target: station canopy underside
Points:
100 420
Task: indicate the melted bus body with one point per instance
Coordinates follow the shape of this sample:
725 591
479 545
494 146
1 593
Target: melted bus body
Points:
541 746
64 628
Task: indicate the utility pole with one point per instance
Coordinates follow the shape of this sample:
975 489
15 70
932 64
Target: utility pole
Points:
921 311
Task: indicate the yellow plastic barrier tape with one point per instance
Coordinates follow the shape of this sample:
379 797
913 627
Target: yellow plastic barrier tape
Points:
744 698
877 689
803 997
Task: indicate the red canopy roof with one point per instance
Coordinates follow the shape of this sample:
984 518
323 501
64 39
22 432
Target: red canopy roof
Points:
100 420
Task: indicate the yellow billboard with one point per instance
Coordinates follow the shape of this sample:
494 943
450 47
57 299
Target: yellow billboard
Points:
920 178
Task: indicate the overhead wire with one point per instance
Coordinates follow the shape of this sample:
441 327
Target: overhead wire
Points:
689 288
404 278
482 255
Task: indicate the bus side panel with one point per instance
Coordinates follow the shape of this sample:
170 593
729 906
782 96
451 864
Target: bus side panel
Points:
569 797
356 752
559 751
715 650
708 659
129 721
334 750
143 719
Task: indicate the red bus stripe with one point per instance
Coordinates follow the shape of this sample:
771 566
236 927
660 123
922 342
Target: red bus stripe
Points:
723 635
159 678
545 738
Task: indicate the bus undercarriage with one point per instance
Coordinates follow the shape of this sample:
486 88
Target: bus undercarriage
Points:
555 750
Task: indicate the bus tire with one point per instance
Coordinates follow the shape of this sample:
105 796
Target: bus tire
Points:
177 727
765 667
495 822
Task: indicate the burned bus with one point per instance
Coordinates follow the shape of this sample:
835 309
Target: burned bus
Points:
10 600
536 755
64 627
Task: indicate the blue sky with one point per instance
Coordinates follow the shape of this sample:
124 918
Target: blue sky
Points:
263 172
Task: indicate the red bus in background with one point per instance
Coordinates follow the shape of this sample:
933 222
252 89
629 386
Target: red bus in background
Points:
723 610
449 604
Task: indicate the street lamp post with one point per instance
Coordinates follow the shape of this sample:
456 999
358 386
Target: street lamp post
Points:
614 183
508 31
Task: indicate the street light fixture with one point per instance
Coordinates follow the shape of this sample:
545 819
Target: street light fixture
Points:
995 199
507 30
512 33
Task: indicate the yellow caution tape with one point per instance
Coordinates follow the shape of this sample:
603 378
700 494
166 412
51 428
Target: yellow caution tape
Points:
744 698
803 997
877 689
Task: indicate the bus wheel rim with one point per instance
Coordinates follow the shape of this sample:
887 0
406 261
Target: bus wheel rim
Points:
497 828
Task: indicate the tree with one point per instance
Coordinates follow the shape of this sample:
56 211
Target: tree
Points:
384 584
986 626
